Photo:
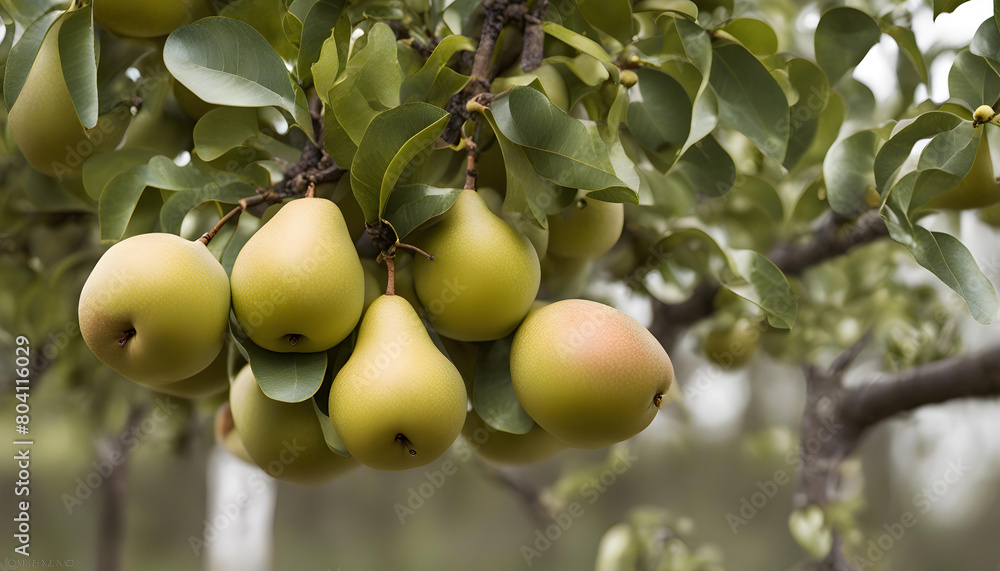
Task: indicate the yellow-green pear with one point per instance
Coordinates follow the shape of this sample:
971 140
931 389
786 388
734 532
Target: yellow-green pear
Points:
284 439
506 448
484 274
213 380
587 228
732 346
397 403
156 308
587 373
298 284
539 237
44 121
148 18
979 187
227 435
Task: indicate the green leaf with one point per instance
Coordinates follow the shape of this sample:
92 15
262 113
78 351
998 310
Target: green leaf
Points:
333 440
22 57
684 7
613 17
894 152
266 17
332 55
559 147
946 6
944 255
316 29
100 168
755 35
435 83
986 42
581 43
79 63
180 203
227 62
391 141
411 205
493 392
285 377
8 38
226 128
848 171
760 282
708 167
527 193
662 118
369 85
945 161
843 38
750 100
813 89
972 80
907 43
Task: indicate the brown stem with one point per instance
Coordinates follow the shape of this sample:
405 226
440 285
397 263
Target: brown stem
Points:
413 248
390 287
470 170
126 335
311 190
534 37
244 204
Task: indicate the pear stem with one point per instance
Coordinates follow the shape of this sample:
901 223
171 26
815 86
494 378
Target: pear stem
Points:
244 204
413 248
311 190
402 439
126 335
390 288
470 170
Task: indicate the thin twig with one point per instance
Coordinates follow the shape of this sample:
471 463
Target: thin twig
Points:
413 248
471 173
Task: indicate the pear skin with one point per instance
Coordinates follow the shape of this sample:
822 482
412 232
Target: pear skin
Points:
44 122
284 439
587 373
587 228
298 284
397 403
506 448
148 18
484 274
156 308
213 380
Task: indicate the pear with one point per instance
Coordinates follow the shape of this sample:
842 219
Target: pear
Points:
587 228
44 122
284 439
397 403
484 274
979 187
227 435
588 374
506 448
298 284
156 308
732 346
148 18
538 236
213 380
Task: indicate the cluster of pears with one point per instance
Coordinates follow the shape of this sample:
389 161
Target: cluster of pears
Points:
156 310
44 121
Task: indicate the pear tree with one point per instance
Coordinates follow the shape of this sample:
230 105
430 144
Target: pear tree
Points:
376 235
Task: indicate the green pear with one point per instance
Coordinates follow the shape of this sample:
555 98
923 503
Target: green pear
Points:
397 403
213 380
587 373
979 187
227 435
506 448
538 236
156 308
732 346
44 122
284 439
148 18
298 284
587 228
484 274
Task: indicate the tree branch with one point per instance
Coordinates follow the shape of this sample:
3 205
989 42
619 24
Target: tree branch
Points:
496 13
835 237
